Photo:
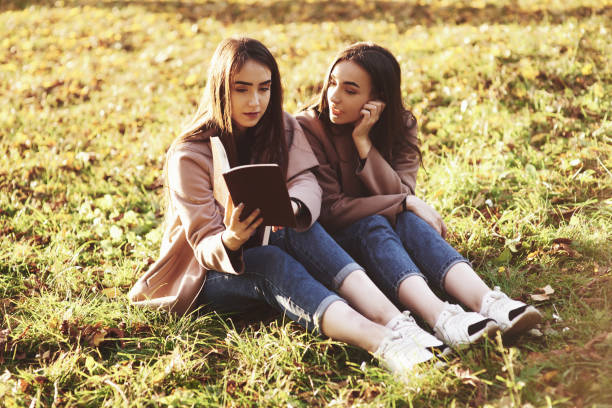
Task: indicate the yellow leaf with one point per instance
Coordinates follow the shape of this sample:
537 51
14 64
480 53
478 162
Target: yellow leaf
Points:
111 293
9 67
598 90
432 126
98 338
191 80
587 69
527 69
547 377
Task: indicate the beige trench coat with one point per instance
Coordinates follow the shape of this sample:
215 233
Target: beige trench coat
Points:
191 243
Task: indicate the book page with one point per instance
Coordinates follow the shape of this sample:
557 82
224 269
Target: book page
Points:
220 166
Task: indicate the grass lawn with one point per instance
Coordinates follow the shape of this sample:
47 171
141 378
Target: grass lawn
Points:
514 103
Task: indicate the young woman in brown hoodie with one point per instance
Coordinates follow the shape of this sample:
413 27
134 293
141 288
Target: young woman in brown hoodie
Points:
367 147
211 258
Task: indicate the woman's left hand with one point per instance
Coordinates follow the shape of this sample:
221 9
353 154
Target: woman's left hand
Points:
427 213
370 113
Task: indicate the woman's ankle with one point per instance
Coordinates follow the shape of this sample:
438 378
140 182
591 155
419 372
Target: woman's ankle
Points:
362 294
419 299
464 284
341 322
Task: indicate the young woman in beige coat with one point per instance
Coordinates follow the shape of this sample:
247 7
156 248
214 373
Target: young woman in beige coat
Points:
212 259
367 148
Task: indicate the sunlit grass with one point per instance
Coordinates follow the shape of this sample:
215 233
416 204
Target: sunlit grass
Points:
513 101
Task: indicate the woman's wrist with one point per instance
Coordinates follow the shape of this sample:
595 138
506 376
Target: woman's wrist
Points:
409 203
230 242
363 144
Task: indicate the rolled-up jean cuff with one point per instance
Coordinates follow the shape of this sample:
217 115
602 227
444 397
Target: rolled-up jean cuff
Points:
343 273
404 277
318 314
452 262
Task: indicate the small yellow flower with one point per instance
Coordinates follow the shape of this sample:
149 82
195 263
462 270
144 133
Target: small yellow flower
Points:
587 69
191 80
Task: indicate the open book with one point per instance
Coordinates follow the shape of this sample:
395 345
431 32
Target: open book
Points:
256 185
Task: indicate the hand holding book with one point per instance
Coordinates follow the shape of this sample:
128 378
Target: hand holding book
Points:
260 186
238 231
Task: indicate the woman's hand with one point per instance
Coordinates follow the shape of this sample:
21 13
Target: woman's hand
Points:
427 213
238 232
370 113
296 210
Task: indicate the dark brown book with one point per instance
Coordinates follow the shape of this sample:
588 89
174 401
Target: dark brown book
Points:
256 185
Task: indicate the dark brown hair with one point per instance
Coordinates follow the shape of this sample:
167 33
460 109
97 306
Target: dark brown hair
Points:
214 109
390 131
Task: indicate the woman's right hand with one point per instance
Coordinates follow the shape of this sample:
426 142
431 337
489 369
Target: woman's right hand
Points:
238 232
426 213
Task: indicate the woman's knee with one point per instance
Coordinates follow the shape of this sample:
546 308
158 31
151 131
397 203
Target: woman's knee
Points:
411 221
315 232
275 256
374 222
270 262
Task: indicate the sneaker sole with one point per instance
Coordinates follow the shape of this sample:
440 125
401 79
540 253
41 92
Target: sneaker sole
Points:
523 322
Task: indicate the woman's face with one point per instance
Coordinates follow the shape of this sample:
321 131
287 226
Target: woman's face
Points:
250 94
349 89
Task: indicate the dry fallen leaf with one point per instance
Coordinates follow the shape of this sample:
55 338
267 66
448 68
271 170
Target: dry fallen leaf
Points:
547 290
544 293
23 385
98 338
562 241
539 298
466 376
550 375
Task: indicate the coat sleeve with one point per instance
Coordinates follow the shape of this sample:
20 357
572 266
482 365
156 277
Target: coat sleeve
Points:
380 177
301 182
305 188
340 210
191 197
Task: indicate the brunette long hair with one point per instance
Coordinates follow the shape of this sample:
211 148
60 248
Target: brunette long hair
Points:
389 132
214 110
214 115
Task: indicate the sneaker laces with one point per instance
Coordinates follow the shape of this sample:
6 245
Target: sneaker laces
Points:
494 296
400 354
408 327
499 306
512 316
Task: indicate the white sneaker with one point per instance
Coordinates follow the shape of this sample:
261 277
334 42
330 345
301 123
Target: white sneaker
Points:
457 328
512 316
408 328
399 354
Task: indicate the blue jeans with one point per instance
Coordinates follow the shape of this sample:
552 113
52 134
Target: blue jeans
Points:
391 255
291 274
320 254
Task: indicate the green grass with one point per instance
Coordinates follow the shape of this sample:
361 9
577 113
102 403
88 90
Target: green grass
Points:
514 103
